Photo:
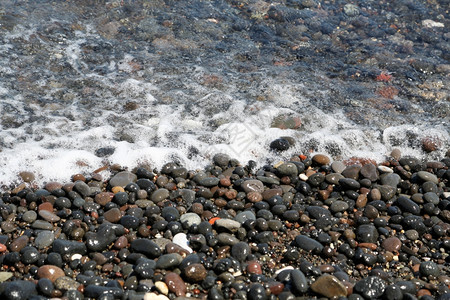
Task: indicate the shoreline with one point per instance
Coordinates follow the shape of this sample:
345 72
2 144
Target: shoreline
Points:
305 227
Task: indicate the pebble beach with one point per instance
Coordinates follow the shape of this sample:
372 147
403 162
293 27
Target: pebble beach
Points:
306 228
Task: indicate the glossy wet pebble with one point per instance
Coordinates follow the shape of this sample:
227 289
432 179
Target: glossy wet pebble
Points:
329 286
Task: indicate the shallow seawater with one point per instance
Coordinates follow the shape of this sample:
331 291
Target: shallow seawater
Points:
84 84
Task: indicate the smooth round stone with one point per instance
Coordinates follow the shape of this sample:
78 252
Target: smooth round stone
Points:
99 241
318 212
41 224
428 268
168 261
321 159
175 284
329 286
227 239
27 176
145 268
130 222
104 198
308 244
338 166
333 178
288 169
48 216
393 292
146 247
19 243
19 290
190 219
159 195
427 176
431 198
65 283
384 169
209 181
253 267
244 216
257 292
369 171
64 247
412 234
122 179
316 179
154 296
82 188
252 185
280 144
352 172
386 191
349 183
113 215
50 272
240 251
195 272
370 287
408 205
367 233
181 240
391 244
221 159
298 281
95 291
29 255
391 179
339 206
228 224
29 216
162 287
45 286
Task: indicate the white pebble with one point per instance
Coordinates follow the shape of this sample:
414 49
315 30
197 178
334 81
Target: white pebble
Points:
154 296
430 23
162 287
384 169
181 240
76 256
303 177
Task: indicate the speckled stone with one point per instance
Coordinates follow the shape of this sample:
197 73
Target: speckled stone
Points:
175 284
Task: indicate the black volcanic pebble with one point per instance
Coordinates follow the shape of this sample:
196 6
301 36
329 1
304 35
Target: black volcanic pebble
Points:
280 144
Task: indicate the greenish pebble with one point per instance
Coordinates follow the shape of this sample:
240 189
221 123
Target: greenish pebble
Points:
65 283
268 180
427 176
333 178
168 261
288 169
40 224
5 276
144 203
44 239
29 216
160 195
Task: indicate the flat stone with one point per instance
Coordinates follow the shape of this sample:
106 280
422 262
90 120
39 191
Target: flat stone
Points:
44 239
252 185
427 176
321 159
308 244
50 272
122 179
329 286
391 244
370 287
369 171
48 216
65 283
159 195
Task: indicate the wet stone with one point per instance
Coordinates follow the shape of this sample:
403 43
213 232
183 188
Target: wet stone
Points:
308 244
96 291
194 272
50 272
329 286
244 216
100 240
65 283
349 183
321 159
64 247
230 225
427 176
338 167
209 181
339 206
428 268
351 172
367 233
29 216
370 287
175 284
288 169
122 179
159 195
82 188
190 219
146 247
168 261
113 215
299 281
391 244
369 171
386 191
408 205
19 243
41 224
240 251
19 290
48 216
257 292
252 186
333 178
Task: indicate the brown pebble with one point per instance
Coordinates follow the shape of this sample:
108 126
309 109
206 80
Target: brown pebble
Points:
276 288
27 176
329 286
361 201
391 244
113 215
175 284
375 194
174 248
195 272
51 186
396 154
197 208
254 197
50 272
326 268
225 181
370 246
423 292
107 267
77 177
267 194
254 267
121 242
220 202
104 198
321 159
19 243
430 144
231 194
